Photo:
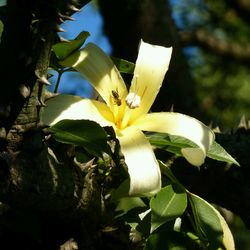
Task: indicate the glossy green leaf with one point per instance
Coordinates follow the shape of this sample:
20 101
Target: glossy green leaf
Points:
217 152
171 143
65 48
127 203
169 203
123 66
174 144
210 225
85 133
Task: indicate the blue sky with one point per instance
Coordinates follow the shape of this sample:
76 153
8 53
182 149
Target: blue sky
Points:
88 19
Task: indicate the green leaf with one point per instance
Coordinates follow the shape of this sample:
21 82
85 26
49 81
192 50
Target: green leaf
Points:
123 66
217 152
174 144
85 133
131 210
168 204
65 48
164 238
127 203
170 143
210 225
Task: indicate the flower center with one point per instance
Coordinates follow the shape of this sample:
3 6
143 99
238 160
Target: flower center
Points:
133 100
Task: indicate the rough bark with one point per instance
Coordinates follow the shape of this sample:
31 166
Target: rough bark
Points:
43 191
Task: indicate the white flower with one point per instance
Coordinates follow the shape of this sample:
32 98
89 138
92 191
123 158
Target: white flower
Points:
127 112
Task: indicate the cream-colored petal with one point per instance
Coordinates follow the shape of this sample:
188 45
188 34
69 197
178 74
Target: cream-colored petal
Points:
75 108
143 168
194 156
181 125
150 69
99 70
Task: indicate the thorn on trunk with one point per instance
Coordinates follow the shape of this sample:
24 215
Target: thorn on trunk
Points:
73 8
48 95
58 28
65 17
172 108
44 80
243 122
24 90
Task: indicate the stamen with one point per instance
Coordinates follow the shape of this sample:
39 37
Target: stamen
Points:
133 100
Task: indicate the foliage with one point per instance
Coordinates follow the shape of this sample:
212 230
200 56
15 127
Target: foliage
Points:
188 220
216 68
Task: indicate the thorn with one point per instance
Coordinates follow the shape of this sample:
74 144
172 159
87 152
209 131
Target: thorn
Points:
58 28
61 20
24 90
217 129
73 8
62 39
44 80
243 122
65 17
48 95
85 166
172 108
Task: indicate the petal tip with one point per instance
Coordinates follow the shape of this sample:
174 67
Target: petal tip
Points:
195 156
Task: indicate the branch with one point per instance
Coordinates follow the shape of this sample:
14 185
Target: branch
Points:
221 47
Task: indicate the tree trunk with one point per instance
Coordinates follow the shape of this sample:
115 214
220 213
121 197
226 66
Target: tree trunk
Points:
44 192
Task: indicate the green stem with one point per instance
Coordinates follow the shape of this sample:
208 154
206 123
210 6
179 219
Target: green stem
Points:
60 72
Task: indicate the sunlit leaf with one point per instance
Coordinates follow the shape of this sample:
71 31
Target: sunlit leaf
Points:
169 203
65 48
217 152
174 144
85 133
210 224
123 66
170 143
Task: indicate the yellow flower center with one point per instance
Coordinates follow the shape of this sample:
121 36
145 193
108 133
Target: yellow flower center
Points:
122 108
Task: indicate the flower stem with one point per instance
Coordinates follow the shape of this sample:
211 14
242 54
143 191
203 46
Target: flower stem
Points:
60 72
